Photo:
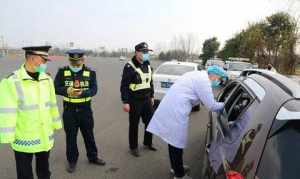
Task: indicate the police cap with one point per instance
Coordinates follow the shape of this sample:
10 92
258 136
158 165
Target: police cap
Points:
142 47
38 50
75 54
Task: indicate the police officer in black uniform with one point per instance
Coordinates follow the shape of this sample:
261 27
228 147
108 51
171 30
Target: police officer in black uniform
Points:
77 84
137 96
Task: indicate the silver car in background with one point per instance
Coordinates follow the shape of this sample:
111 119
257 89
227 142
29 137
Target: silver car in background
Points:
166 75
234 68
215 61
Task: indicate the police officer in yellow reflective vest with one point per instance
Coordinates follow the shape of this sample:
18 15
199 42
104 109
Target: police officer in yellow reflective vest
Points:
29 113
137 96
77 84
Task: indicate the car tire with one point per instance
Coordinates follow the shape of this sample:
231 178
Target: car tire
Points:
196 108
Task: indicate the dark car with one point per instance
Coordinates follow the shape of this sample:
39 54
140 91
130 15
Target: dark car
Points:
257 135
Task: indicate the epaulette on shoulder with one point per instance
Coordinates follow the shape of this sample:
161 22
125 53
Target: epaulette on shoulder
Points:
127 65
89 68
63 68
9 76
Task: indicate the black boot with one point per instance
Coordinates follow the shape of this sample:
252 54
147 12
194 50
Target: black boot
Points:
135 152
97 161
150 147
71 167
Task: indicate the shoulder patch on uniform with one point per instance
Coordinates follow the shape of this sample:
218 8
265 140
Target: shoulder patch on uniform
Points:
67 72
86 73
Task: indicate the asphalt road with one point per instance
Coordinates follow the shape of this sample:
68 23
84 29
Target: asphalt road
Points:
111 133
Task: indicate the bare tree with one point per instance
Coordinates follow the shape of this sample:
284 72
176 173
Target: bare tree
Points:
183 46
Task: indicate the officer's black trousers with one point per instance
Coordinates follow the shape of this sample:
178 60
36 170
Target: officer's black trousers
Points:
79 118
24 165
139 108
176 159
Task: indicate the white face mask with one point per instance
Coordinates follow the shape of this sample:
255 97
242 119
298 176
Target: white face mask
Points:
75 69
146 57
215 83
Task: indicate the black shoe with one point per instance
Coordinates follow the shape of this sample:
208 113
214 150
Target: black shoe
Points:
97 161
150 147
135 152
185 167
71 167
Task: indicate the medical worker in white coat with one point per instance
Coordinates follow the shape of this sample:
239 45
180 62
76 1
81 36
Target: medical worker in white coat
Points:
171 119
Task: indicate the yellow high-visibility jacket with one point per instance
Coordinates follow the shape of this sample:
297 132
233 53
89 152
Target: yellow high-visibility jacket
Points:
28 112
145 77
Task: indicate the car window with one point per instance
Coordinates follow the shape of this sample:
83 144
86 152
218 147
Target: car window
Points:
280 159
177 70
289 111
236 99
199 67
215 62
227 91
241 100
257 89
225 96
238 66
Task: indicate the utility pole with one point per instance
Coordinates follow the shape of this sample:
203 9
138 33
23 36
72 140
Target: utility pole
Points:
2 48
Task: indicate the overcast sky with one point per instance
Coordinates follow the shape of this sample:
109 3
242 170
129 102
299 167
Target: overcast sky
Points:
124 23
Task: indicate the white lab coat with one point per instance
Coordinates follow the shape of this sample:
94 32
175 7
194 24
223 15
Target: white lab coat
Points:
171 119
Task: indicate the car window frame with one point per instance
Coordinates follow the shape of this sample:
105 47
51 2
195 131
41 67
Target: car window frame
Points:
259 91
252 99
223 117
235 84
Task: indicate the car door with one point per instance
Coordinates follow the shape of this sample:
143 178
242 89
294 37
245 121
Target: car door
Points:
234 131
280 159
212 129
211 126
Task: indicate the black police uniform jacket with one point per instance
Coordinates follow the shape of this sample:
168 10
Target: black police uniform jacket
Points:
77 80
131 76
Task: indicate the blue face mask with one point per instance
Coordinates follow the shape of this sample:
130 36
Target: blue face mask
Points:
215 83
41 68
75 69
146 57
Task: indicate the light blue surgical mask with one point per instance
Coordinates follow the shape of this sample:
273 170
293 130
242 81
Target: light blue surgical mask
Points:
146 57
215 83
75 69
41 68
